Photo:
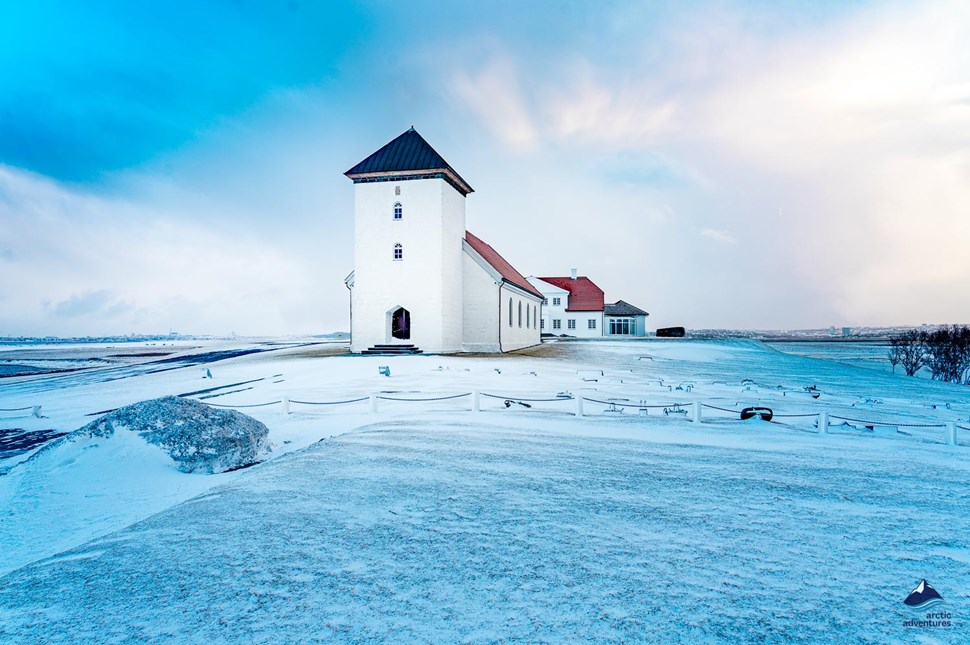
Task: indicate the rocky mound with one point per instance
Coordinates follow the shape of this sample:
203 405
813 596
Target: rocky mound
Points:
198 437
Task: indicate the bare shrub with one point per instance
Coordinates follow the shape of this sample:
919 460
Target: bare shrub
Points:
909 350
948 354
896 351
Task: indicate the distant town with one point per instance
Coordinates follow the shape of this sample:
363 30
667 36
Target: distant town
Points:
857 334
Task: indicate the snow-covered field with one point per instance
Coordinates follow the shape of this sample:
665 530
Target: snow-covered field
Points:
873 355
427 521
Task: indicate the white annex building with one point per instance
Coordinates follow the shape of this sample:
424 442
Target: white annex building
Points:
421 282
575 307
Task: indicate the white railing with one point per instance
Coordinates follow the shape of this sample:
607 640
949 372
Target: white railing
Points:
693 409
822 419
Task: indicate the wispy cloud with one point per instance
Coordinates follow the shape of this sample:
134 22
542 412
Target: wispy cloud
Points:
89 264
622 114
846 139
103 303
493 92
723 237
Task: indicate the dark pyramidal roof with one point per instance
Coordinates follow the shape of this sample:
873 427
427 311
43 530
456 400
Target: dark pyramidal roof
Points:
409 155
623 308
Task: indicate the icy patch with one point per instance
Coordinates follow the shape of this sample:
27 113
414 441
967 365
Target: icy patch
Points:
199 438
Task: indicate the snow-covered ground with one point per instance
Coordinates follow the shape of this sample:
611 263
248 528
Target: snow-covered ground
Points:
426 521
872 354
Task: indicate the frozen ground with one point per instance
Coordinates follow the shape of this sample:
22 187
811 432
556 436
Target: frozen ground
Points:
426 521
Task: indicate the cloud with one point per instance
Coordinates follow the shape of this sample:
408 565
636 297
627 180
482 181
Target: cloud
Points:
721 237
840 142
494 94
102 302
619 138
622 114
105 87
86 264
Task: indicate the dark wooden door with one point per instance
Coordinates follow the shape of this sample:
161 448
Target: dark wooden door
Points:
401 324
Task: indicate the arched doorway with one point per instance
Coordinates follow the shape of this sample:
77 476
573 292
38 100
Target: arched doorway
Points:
401 324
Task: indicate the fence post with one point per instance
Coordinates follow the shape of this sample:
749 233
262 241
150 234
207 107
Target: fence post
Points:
579 405
697 412
476 402
36 412
373 403
286 405
823 422
951 433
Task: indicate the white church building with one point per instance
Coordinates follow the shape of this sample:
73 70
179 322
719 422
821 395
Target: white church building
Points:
421 281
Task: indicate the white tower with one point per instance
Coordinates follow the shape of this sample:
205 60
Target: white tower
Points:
409 223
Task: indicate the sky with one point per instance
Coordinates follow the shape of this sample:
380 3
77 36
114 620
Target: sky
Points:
729 164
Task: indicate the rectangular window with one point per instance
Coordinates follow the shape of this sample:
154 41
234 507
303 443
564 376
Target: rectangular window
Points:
556 323
555 302
591 324
542 324
621 326
571 323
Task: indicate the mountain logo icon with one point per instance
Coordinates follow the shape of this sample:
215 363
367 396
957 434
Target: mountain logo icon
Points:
923 596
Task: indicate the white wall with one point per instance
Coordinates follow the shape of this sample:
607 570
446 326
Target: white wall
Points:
551 311
452 277
515 336
427 282
582 319
481 308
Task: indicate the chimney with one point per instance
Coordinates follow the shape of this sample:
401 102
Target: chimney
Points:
573 271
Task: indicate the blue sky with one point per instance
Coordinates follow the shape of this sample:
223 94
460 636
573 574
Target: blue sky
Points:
728 164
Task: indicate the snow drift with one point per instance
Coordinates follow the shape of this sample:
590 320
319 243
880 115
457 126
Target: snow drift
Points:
198 438
118 470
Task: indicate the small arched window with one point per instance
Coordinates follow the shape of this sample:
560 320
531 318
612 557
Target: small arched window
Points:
398 211
520 313
510 312
398 252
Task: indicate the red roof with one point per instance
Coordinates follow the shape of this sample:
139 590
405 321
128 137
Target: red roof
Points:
583 294
500 264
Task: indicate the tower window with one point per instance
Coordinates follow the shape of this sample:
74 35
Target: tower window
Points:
398 252
398 211
397 190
